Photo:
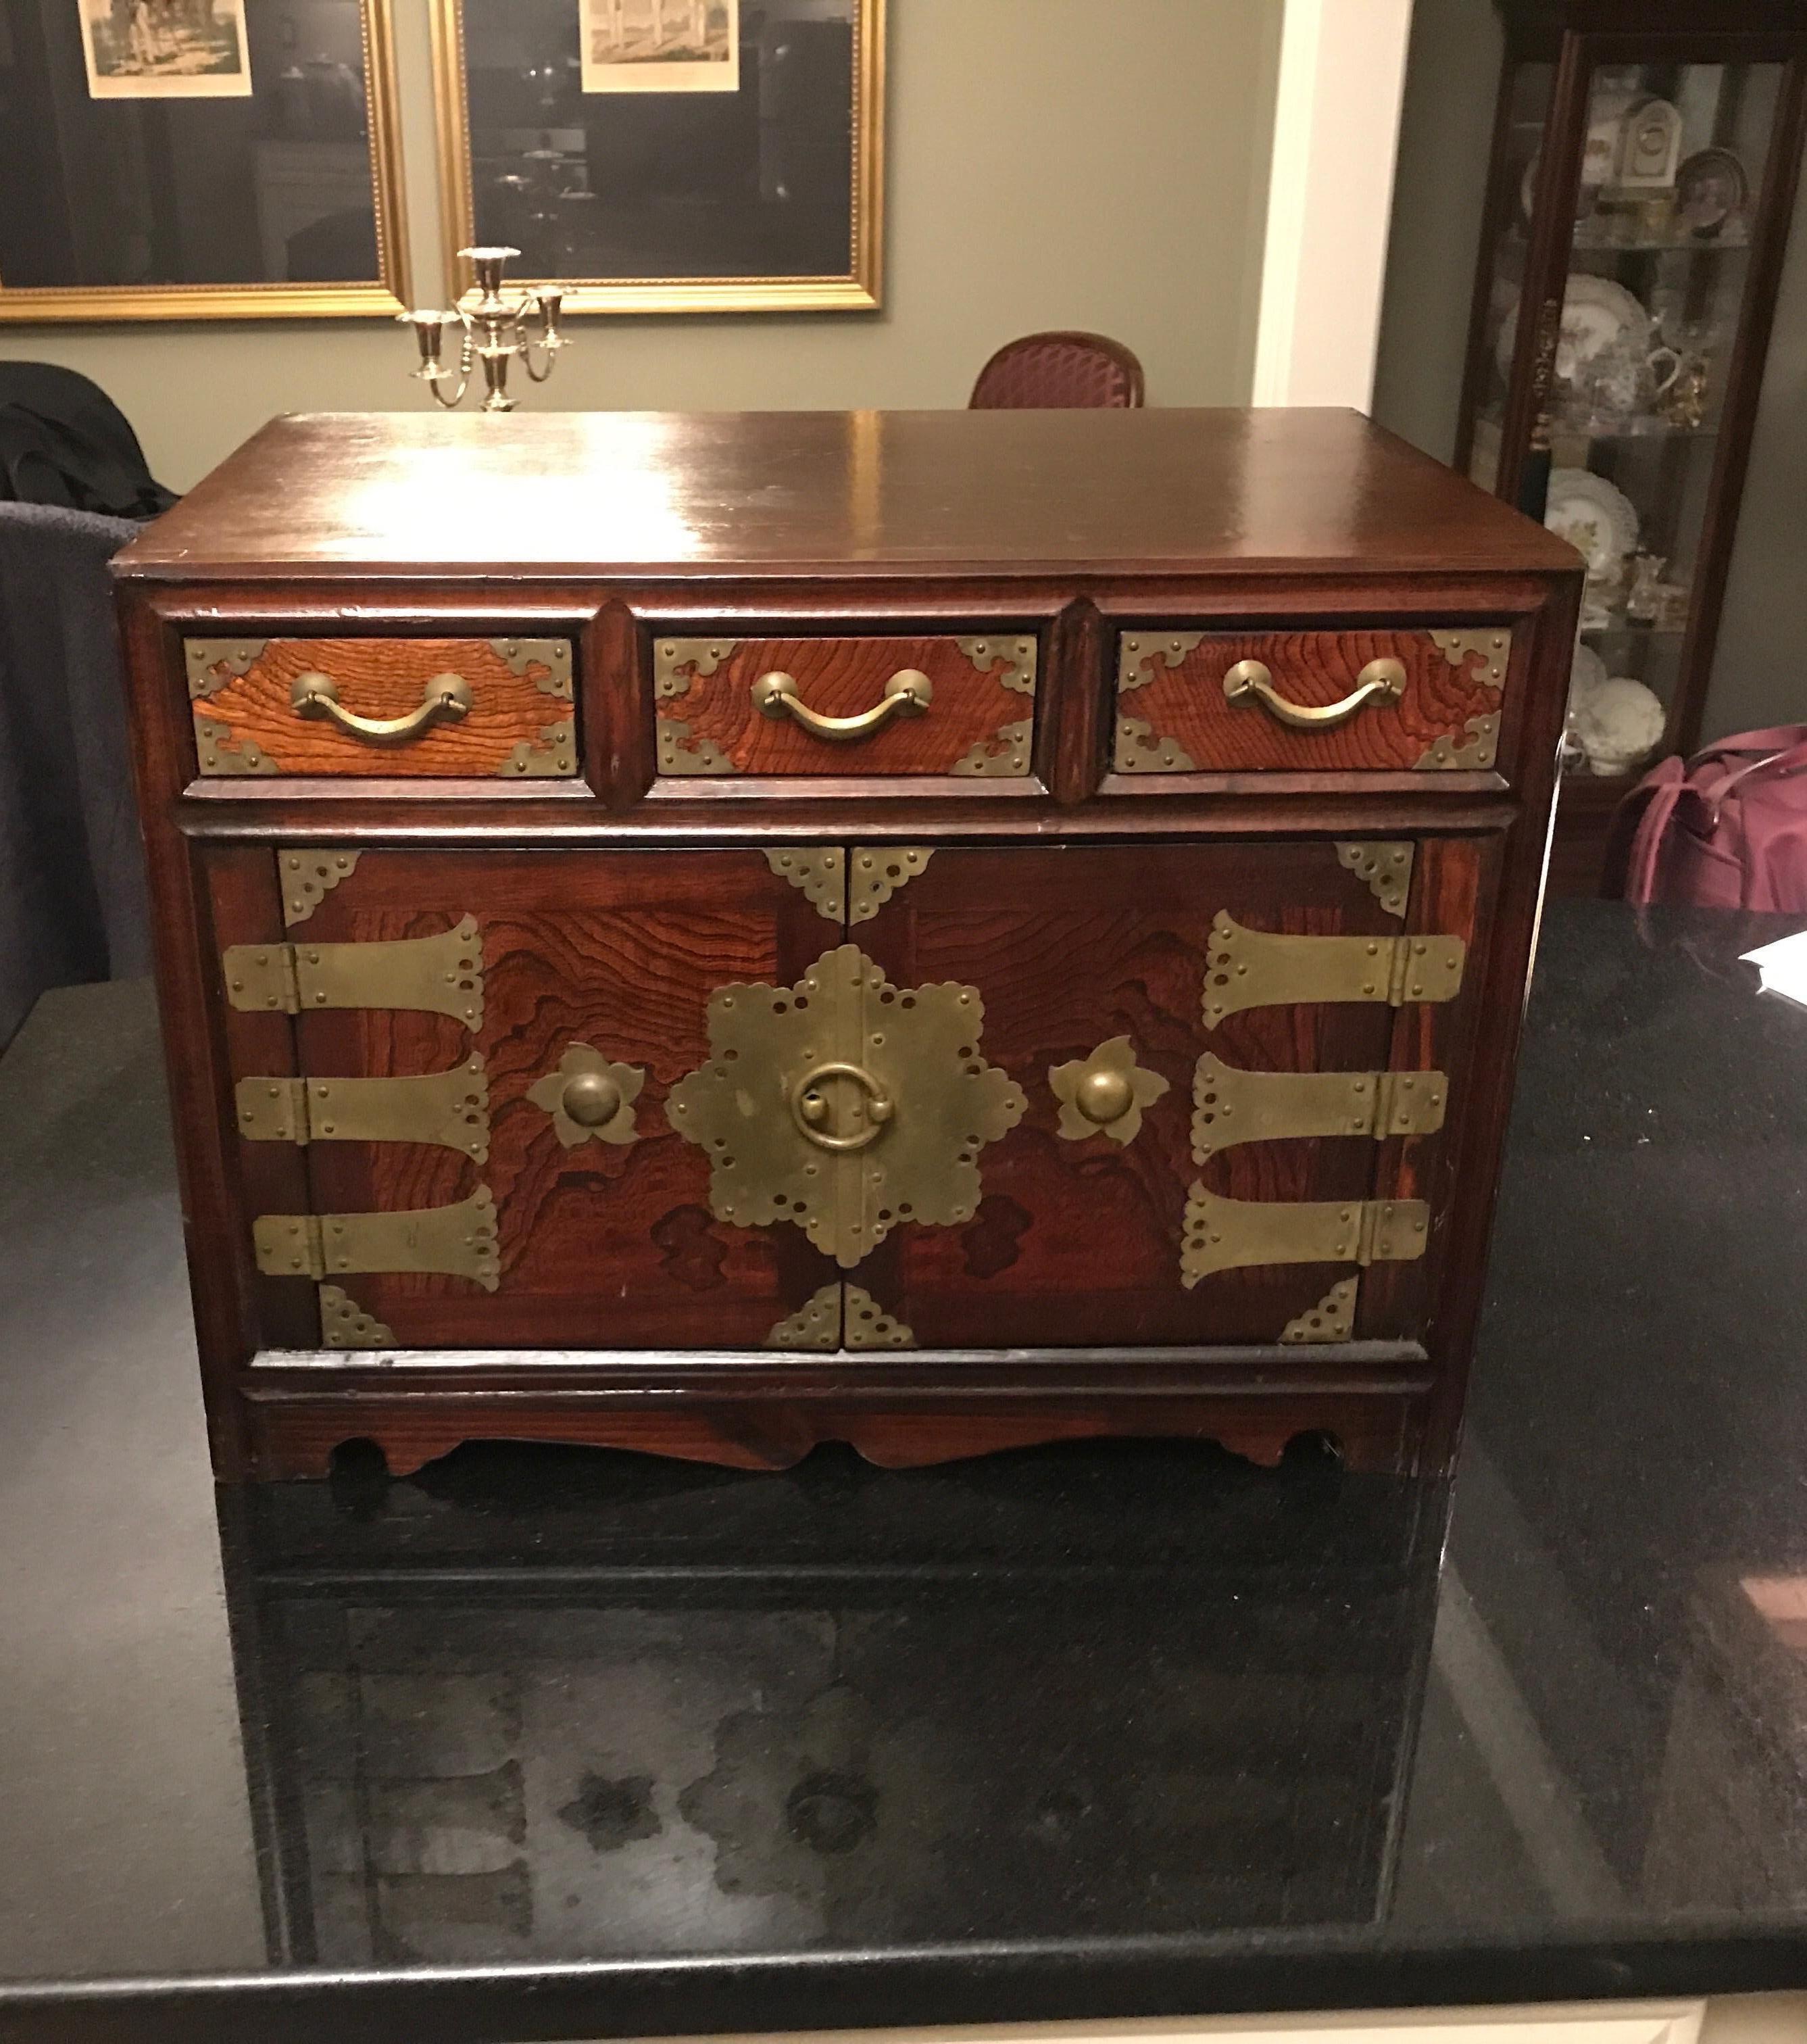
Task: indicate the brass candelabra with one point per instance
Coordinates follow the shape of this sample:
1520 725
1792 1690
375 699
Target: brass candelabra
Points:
492 329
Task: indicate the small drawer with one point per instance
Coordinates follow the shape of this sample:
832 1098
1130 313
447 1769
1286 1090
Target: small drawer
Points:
1210 702
391 708
884 707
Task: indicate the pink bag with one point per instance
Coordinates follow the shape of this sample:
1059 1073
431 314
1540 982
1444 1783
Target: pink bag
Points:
1727 830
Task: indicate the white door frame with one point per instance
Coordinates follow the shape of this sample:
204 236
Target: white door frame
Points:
1342 77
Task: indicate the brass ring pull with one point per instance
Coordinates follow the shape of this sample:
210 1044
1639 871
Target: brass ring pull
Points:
447 700
1381 680
809 1106
905 694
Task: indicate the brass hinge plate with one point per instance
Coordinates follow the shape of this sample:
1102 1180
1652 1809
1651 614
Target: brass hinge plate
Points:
442 975
451 1108
1269 968
1230 1105
456 1241
1235 1234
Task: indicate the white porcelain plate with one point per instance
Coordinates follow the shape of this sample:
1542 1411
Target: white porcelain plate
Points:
1598 521
1596 313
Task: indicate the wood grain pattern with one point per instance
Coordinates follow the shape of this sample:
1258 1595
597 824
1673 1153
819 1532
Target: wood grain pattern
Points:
1078 1243
1185 705
602 1244
385 678
845 677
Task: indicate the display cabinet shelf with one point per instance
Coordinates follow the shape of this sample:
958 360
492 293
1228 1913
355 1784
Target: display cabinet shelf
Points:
1643 172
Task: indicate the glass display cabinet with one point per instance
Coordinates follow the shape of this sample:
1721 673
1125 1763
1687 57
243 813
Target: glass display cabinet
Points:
1644 169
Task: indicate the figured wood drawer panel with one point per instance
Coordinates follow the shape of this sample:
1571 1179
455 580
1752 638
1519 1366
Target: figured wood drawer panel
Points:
517 723
1174 716
978 721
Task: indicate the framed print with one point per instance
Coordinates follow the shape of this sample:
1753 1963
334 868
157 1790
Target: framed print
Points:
199 159
660 45
667 155
136 50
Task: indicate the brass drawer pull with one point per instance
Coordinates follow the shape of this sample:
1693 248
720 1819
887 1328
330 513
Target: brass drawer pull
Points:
447 700
905 694
1381 680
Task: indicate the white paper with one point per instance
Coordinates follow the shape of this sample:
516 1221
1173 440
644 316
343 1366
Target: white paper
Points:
1782 967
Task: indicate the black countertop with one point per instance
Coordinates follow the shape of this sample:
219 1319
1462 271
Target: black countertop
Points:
561 1744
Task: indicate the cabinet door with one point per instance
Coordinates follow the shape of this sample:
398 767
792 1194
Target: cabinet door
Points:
1235 1061
481 1050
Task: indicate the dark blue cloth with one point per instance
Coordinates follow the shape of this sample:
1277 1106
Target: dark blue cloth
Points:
72 896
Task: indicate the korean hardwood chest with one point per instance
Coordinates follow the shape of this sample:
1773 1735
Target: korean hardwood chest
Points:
940 930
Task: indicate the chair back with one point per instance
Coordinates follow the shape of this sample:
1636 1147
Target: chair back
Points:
1060 372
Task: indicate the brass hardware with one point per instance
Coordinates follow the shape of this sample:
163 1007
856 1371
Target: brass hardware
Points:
680 753
549 758
1141 750
309 876
1002 756
458 1241
812 1106
868 1325
1136 657
213 664
820 872
442 975
554 655
1250 681
1231 1105
702 655
220 750
1104 1094
1331 1320
878 871
1493 645
1018 655
815 1324
1479 749
905 694
1387 867
589 1095
451 1108
902 1103
1235 1235
447 700
1267 968
343 1324
818 1323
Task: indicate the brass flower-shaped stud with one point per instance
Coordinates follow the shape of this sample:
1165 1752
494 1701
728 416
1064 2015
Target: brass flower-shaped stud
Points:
588 1096
1104 1093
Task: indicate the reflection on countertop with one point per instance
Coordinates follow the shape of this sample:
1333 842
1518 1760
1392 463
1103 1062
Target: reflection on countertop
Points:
1030 1718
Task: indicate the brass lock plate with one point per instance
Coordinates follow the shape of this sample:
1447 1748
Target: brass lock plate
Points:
845 1105
1230 1105
438 975
1272 969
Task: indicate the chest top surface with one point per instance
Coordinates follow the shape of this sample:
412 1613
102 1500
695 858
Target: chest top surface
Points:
867 495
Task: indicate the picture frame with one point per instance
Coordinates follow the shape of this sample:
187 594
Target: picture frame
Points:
601 138
204 159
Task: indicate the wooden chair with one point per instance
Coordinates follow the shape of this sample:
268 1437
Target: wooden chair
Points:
1059 371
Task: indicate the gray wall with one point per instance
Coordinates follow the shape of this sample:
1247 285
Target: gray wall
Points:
1759 673
1043 174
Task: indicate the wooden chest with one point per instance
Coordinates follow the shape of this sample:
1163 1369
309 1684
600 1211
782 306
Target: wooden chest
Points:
940 930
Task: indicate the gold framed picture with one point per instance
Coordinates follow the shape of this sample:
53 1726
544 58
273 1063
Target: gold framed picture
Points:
667 155
203 159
